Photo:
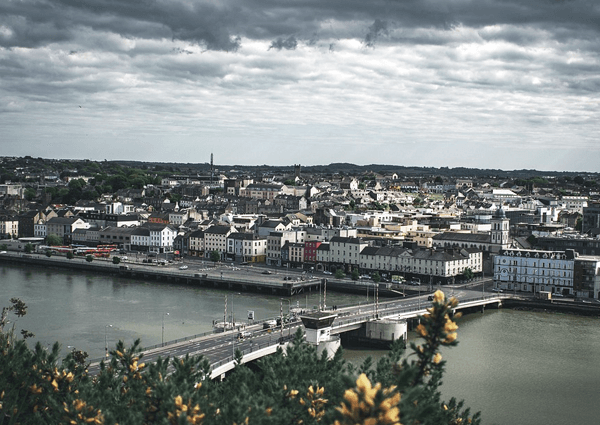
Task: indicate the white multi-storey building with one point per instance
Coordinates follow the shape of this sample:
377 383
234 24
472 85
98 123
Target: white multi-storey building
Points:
215 239
436 264
534 271
346 251
246 247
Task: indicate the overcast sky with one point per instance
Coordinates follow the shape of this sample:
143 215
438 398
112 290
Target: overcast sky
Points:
506 84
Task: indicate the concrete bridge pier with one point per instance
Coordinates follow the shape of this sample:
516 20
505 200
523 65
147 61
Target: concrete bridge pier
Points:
378 333
386 330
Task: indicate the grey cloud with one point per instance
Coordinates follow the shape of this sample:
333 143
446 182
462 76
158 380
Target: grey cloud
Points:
289 44
376 30
221 25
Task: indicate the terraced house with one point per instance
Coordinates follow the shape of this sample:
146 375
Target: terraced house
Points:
428 265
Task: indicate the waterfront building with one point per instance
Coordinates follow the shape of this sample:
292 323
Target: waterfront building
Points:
9 226
246 247
64 227
563 272
345 252
276 240
435 265
215 239
196 243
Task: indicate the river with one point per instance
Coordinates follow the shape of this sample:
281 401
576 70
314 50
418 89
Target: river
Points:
515 367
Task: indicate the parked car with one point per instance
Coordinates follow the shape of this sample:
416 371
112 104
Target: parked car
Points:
244 263
244 334
183 267
497 290
269 324
557 294
267 272
326 272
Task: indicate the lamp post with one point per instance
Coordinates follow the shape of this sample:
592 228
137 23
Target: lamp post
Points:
289 316
163 328
106 339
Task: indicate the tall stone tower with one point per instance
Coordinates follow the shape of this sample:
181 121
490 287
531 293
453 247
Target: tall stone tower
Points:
297 170
500 230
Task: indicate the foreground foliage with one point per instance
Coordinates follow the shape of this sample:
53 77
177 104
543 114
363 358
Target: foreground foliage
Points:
296 388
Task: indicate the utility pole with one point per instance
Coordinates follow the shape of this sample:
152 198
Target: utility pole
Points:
281 317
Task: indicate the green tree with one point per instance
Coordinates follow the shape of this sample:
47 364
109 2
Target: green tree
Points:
376 277
70 255
30 194
89 258
116 260
355 274
54 240
339 274
48 253
468 274
3 247
29 248
215 256
579 224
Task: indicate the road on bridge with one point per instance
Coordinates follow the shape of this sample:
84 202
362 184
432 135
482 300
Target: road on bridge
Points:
219 348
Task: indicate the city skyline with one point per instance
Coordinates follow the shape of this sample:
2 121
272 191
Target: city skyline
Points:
490 85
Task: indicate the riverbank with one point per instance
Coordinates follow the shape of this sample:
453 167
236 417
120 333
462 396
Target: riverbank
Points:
222 276
578 308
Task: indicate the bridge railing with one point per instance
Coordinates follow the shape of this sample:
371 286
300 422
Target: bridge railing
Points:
253 348
388 311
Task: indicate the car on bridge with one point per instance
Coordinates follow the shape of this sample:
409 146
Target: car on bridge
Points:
244 334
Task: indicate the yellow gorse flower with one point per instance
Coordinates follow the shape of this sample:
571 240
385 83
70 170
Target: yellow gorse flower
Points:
360 407
450 326
438 297
450 337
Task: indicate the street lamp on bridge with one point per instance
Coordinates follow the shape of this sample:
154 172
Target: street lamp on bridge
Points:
281 314
163 328
106 339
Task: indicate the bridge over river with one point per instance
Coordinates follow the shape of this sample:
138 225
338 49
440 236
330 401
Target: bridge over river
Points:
219 348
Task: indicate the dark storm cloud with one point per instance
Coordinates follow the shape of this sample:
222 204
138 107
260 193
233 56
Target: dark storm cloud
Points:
218 25
289 44
376 30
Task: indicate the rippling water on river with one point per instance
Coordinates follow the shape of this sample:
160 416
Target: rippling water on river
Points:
516 367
